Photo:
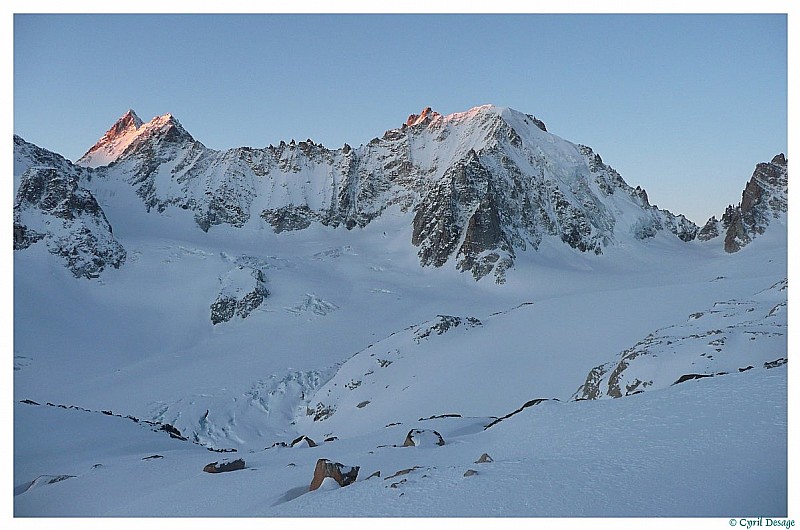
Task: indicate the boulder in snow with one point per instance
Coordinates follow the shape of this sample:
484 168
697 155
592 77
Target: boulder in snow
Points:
343 475
423 437
303 441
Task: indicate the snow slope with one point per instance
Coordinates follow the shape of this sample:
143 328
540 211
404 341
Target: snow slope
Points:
248 384
675 452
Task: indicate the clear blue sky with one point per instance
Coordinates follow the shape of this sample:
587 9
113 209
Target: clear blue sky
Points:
683 105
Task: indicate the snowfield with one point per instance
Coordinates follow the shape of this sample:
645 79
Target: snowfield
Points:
711 447
222 340
697 449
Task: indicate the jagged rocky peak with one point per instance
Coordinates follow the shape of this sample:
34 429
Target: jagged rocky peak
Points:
130 131
167 128
103 151
779 160
764 199
165 120
424 118
127 121
710 230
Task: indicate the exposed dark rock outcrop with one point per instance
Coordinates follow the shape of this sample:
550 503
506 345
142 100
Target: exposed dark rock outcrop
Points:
439 416
321 412
303 440
402 472
536 121
527 404
690 377
775 363
443 324
172 431
40 481
290 217
242 290
224 466
422 437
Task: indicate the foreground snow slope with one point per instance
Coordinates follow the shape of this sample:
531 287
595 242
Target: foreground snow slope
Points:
713 447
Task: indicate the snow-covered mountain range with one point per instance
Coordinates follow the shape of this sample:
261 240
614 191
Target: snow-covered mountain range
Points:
482 185
459 274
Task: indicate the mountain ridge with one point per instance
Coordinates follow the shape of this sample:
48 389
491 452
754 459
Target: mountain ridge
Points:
481 185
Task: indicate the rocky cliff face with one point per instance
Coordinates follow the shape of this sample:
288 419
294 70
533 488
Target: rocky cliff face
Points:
460 217
52 207
765 198
482 185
